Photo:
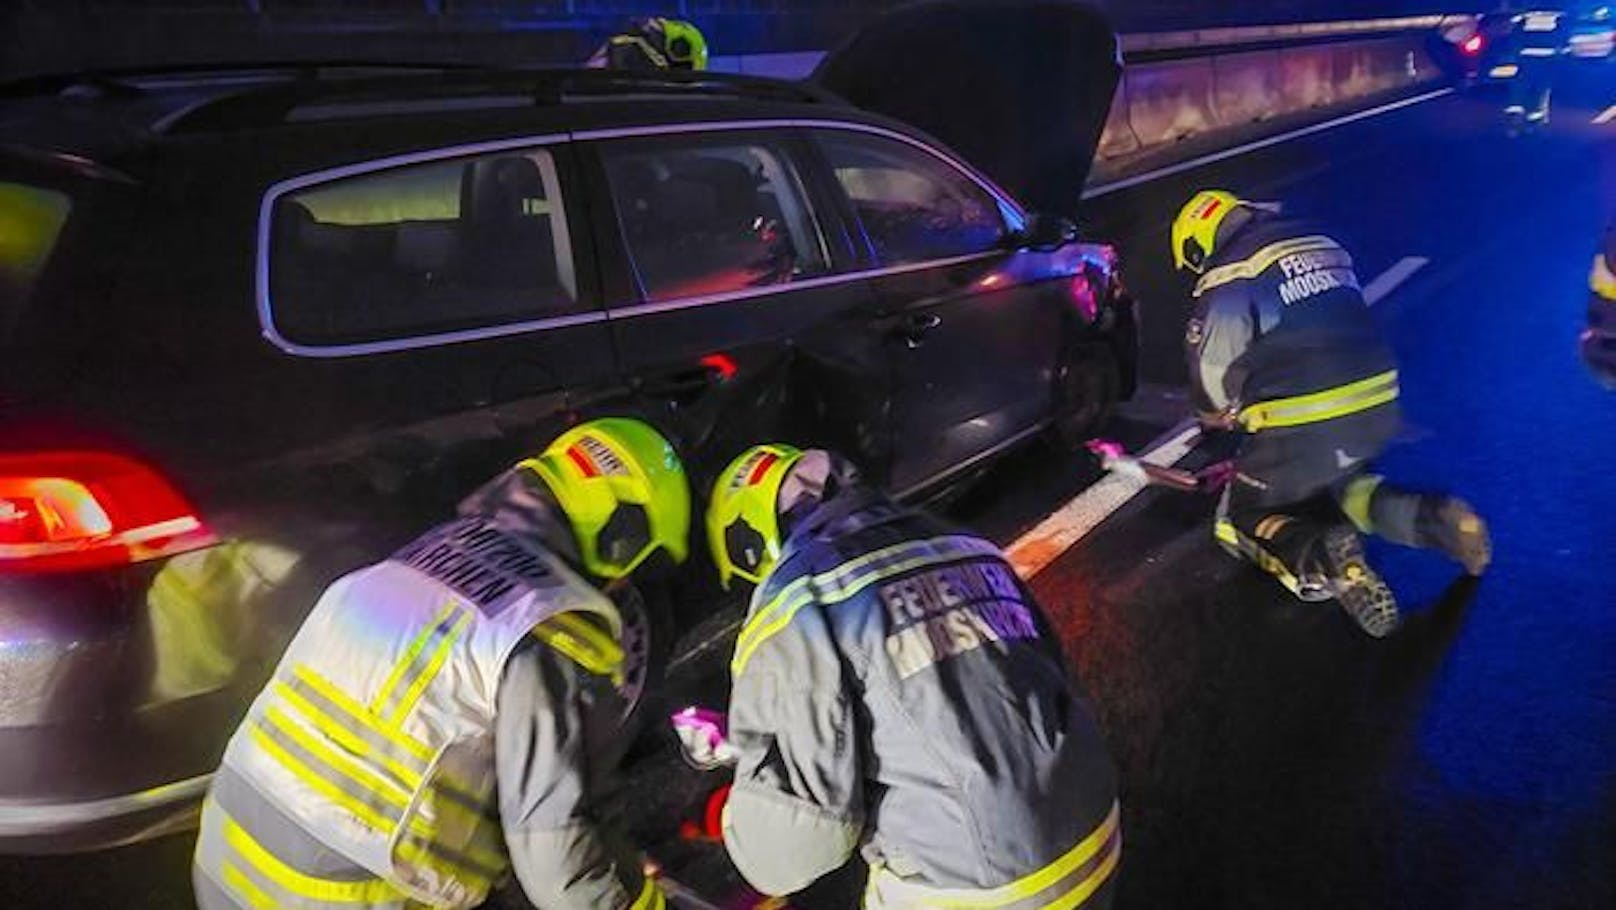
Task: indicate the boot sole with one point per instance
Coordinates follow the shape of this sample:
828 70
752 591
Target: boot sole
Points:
1360 590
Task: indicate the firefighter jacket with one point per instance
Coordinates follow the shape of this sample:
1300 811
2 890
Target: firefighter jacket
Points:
896 688
1280 333
365 773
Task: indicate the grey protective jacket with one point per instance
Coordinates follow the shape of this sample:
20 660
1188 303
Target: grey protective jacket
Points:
1279 318
896 688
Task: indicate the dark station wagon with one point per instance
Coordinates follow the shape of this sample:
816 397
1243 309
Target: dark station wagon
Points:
260 325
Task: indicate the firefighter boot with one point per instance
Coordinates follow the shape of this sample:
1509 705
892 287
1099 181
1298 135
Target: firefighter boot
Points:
1449 524
1360 590
1426 520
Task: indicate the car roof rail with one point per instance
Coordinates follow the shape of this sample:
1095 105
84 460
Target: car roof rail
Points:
315 99
145 80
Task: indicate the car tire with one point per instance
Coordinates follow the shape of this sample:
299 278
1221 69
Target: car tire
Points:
1086 392
646 642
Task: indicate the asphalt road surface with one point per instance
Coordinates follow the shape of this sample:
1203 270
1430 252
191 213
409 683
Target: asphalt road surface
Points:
1272 756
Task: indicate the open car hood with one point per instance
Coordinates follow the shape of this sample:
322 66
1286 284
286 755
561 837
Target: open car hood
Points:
1021 88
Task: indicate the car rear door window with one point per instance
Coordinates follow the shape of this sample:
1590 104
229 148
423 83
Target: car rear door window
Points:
914 206
704 216
422 249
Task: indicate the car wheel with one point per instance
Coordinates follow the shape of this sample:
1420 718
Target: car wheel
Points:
645 650
1086 390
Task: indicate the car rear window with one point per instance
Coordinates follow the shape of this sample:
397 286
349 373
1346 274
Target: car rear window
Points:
31 220
423 249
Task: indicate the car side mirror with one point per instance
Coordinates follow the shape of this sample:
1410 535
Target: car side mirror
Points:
1046 233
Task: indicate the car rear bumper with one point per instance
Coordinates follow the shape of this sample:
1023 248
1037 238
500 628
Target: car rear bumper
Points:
73 825
119 692
112 780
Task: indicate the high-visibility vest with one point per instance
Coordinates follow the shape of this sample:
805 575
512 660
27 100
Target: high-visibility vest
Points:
376 732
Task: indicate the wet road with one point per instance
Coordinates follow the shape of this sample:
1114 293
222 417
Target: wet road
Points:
1271 756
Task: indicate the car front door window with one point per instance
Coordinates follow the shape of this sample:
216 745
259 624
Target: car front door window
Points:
704 216
914 206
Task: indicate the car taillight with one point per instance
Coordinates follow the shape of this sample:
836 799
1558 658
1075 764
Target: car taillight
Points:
1472 45
67 511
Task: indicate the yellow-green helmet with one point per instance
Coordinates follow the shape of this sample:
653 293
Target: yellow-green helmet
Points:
623 491
683 43
1195 230
743 518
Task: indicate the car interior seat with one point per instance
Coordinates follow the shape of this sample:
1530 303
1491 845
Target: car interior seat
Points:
506 241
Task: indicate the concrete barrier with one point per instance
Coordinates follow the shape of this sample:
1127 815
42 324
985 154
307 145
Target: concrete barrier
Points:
1118 138
1247 87
1369 67
1160 102
1307 74
1170 100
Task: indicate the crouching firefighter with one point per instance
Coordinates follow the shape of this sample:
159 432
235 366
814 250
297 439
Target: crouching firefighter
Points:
1282 346
448 714
895 687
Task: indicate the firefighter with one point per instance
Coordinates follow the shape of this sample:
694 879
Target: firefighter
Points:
1539 37
656 43
1282 347
446 714
1599 338
896 688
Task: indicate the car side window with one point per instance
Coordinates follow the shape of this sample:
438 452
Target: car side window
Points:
422 249
914 206
713 215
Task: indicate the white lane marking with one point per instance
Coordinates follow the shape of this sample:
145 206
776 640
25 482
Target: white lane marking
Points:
1389 280
1104 188
1036 549
1606 116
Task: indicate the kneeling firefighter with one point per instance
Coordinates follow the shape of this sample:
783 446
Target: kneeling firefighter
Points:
895 687
449 713
1282 346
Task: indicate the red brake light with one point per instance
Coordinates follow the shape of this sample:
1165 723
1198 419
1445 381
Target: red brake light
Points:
64 511
1472 45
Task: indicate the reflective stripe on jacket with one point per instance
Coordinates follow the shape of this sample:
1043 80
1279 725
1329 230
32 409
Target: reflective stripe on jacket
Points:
1068 882
1281 333
1315 407
897 688
375 735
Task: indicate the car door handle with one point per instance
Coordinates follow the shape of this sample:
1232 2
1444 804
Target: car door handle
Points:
915 327
712 371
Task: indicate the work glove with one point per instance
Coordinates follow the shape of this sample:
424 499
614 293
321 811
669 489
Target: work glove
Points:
1222 421
703 738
